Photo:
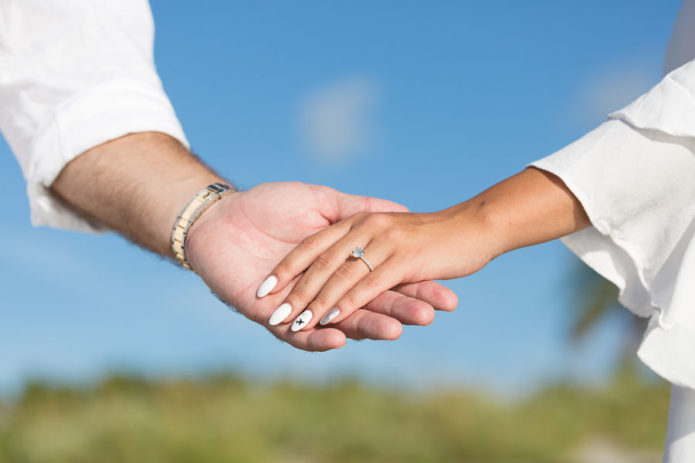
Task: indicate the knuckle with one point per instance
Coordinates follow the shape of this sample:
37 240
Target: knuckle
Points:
378 220
345 272
310 243
323 263
348 303
394 234
358 219
298 295
317 307
283 269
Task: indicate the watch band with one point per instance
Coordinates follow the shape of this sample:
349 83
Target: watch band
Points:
194 209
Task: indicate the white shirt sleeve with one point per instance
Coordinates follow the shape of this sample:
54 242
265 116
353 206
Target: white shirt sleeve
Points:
75 74
635 177
638 189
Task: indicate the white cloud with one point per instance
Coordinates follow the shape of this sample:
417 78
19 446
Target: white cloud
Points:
336 120
614 89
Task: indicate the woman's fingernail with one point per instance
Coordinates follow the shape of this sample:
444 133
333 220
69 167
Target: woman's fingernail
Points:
280 314
330 316
267 286
302 320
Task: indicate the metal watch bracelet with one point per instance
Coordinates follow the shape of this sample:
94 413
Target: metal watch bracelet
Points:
194 209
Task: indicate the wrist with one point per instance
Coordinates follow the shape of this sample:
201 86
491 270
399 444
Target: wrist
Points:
175 197
215 220
194 209
487 219
476 227
486 222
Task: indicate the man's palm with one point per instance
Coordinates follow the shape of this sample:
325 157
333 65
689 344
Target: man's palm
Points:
236 244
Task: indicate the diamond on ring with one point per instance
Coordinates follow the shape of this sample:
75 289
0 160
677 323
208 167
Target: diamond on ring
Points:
358 252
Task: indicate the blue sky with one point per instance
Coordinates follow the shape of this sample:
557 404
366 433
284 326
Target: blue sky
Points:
425 103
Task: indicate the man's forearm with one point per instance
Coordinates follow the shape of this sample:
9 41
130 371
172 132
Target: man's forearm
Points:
136 185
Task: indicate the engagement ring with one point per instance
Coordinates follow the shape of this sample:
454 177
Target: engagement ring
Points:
358 253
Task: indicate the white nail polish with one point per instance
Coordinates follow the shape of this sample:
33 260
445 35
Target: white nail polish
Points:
330 316
280 314
267 286
301 321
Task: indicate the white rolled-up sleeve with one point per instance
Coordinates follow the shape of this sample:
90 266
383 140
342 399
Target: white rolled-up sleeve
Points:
75 74
635 177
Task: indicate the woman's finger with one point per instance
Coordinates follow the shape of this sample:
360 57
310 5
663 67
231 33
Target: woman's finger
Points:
301 257
309 285
327 283
323 309
385 276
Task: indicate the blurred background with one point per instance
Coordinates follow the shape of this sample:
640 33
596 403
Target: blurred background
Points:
107 353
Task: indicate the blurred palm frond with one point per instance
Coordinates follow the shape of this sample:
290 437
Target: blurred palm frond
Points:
595 301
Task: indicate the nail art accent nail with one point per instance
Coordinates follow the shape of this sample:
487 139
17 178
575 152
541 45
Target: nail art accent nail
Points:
280 314
301 321
267 286
330 316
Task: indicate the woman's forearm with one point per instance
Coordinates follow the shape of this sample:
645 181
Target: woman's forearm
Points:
531 207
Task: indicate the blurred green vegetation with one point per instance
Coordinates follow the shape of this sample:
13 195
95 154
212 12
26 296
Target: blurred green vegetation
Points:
228 418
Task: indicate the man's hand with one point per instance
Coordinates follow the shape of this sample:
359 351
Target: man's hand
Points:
239 240
145 179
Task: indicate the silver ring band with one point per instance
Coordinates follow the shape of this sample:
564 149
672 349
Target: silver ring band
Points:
358 253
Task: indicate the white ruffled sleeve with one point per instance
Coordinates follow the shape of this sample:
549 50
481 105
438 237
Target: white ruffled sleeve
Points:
75 74
635 177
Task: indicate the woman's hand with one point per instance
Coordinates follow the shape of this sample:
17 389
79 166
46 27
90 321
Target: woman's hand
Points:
528 208
242 237
400 247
